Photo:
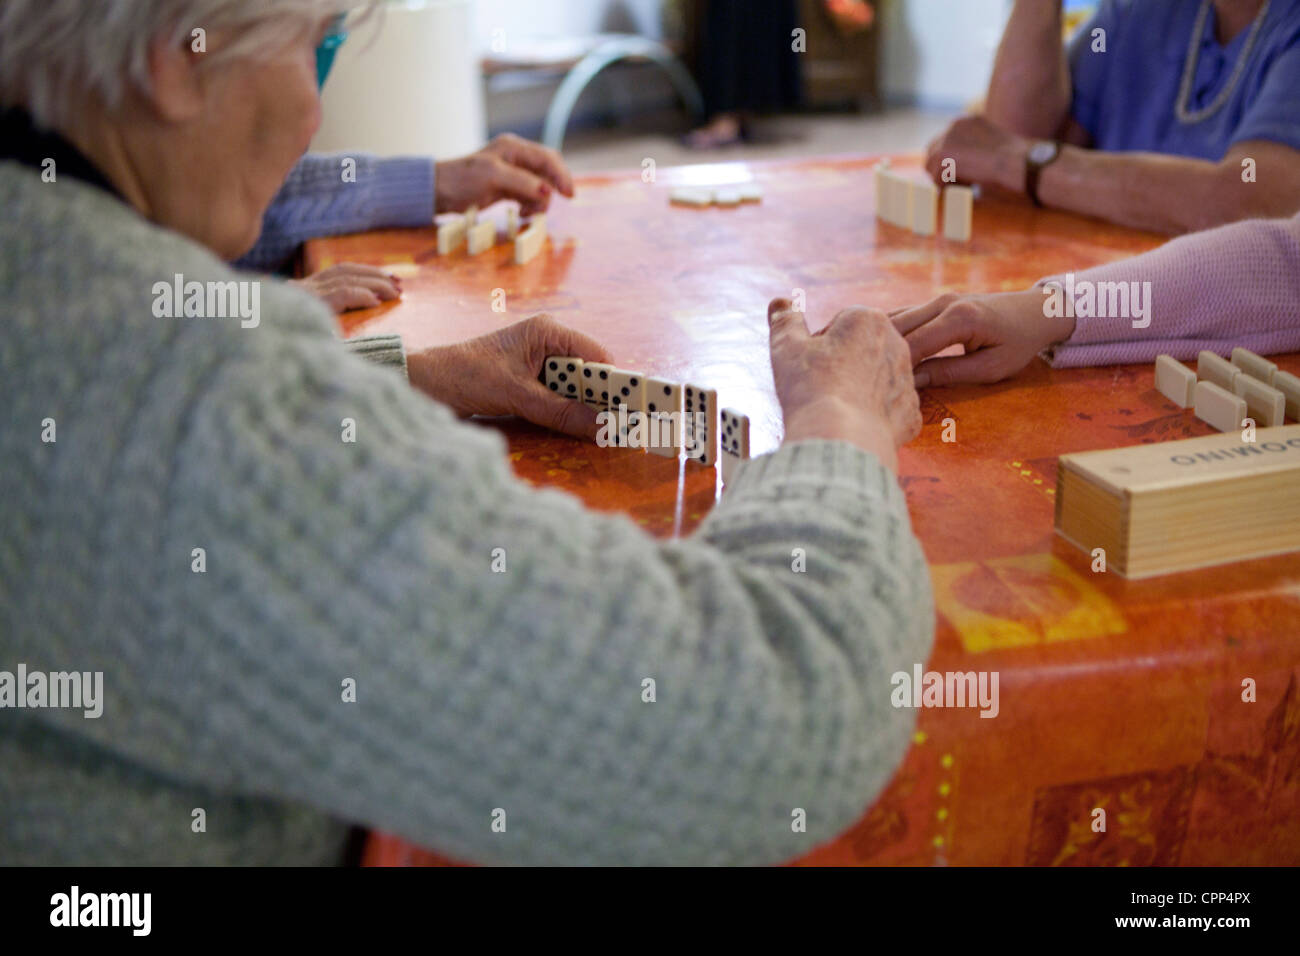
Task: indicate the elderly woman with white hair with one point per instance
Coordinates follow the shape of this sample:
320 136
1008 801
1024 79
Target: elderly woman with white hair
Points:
271 562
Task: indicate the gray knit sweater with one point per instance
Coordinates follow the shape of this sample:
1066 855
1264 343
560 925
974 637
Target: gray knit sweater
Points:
498 716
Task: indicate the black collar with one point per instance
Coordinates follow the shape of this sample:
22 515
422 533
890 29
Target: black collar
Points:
22 141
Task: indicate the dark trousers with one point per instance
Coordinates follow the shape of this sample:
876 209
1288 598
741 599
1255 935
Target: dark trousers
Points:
745 60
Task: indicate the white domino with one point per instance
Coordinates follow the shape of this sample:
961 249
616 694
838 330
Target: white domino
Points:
1289 386
1256 366
1218 407
896 201
482 236
750 192
471 217
727 197
512 222
878 177
700 410
733 440
1175 381
563 375
1264 403
626 391
904 199
663 405
958 213
450 236
595 385
691 196
529 243
1212 368
925 209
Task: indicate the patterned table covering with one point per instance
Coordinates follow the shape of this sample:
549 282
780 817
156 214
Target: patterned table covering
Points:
1125 696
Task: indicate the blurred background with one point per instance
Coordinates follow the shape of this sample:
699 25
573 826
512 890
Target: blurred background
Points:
613 81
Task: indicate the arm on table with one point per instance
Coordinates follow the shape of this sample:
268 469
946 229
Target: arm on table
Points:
315 201
1172 194
520 690
1236 285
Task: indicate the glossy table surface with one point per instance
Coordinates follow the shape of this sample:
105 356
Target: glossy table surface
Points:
1114 694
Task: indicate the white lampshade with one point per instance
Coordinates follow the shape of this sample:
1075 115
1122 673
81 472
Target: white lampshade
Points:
407 83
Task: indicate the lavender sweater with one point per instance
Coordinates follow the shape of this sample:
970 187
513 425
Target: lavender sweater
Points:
1235 285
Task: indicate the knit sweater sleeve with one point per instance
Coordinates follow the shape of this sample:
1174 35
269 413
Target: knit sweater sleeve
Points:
393 629
1234 285
386 351
328 195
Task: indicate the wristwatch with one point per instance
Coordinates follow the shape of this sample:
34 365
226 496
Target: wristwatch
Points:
1041 155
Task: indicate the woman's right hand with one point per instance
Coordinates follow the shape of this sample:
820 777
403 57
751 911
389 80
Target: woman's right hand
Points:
852 381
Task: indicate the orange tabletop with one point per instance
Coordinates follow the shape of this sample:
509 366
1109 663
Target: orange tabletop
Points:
1114 695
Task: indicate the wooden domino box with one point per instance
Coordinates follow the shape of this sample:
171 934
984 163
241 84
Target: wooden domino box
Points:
1173 506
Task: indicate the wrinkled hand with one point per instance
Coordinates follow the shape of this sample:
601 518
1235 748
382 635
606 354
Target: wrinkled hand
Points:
350 285
509 167
497 374
1001 334
851 381
983 153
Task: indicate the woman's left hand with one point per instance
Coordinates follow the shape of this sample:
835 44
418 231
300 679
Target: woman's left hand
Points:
497 374
509 167
351 285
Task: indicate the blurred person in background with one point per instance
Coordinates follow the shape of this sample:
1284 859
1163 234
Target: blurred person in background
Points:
1167 115
747 65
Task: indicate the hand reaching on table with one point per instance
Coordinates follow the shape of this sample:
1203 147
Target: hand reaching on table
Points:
1001 334
496 374
509 167
350 285
850 382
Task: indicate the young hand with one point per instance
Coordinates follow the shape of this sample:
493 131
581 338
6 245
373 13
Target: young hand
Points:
1001 334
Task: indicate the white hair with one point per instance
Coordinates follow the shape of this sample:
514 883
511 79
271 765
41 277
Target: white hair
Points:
55 53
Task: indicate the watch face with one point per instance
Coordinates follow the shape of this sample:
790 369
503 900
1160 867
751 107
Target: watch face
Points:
1042 152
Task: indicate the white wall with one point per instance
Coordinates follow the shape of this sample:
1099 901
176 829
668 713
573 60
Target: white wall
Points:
936 53
543 18
518 102
407 85
939 53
